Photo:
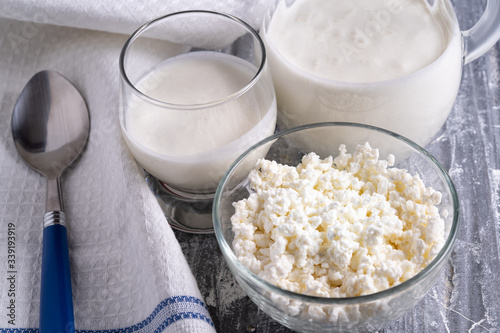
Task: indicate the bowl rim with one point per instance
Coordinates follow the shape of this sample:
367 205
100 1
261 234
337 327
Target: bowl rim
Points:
414 280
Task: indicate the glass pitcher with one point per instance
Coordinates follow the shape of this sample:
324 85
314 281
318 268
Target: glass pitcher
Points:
414 104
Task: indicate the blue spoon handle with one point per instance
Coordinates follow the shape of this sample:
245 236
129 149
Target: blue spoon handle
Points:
56 303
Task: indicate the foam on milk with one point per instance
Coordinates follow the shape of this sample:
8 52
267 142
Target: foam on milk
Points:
191 148
389 63
358 41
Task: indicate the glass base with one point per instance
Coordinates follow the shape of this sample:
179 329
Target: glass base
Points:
188 214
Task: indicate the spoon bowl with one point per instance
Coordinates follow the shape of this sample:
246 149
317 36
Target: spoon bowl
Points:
50 128
46 134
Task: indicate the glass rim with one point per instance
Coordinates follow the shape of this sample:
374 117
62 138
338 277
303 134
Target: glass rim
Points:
146 26
414 280
453 33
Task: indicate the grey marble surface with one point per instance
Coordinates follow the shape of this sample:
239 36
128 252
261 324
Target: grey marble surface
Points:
466 298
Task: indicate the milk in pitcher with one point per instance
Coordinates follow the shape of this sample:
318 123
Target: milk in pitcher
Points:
395 64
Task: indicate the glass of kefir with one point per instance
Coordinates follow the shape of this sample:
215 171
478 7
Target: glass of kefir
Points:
195 93
396 64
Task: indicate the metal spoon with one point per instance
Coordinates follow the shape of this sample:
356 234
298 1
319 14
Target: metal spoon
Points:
50 126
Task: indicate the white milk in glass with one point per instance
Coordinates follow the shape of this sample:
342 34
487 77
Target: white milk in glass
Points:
190 148
395 64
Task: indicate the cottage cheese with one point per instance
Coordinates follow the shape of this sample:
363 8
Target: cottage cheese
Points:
337 227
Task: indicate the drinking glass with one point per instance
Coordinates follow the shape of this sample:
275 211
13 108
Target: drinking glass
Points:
195 93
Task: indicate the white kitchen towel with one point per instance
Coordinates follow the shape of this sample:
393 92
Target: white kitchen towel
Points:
128 271
122 16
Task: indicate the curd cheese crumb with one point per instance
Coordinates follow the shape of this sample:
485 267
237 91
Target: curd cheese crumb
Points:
337 227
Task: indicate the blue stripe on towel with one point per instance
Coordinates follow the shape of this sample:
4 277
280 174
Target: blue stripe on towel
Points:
169 311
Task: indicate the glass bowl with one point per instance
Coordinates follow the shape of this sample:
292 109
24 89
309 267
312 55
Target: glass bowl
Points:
304 313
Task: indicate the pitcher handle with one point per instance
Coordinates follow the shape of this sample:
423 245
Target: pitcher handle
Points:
484 34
